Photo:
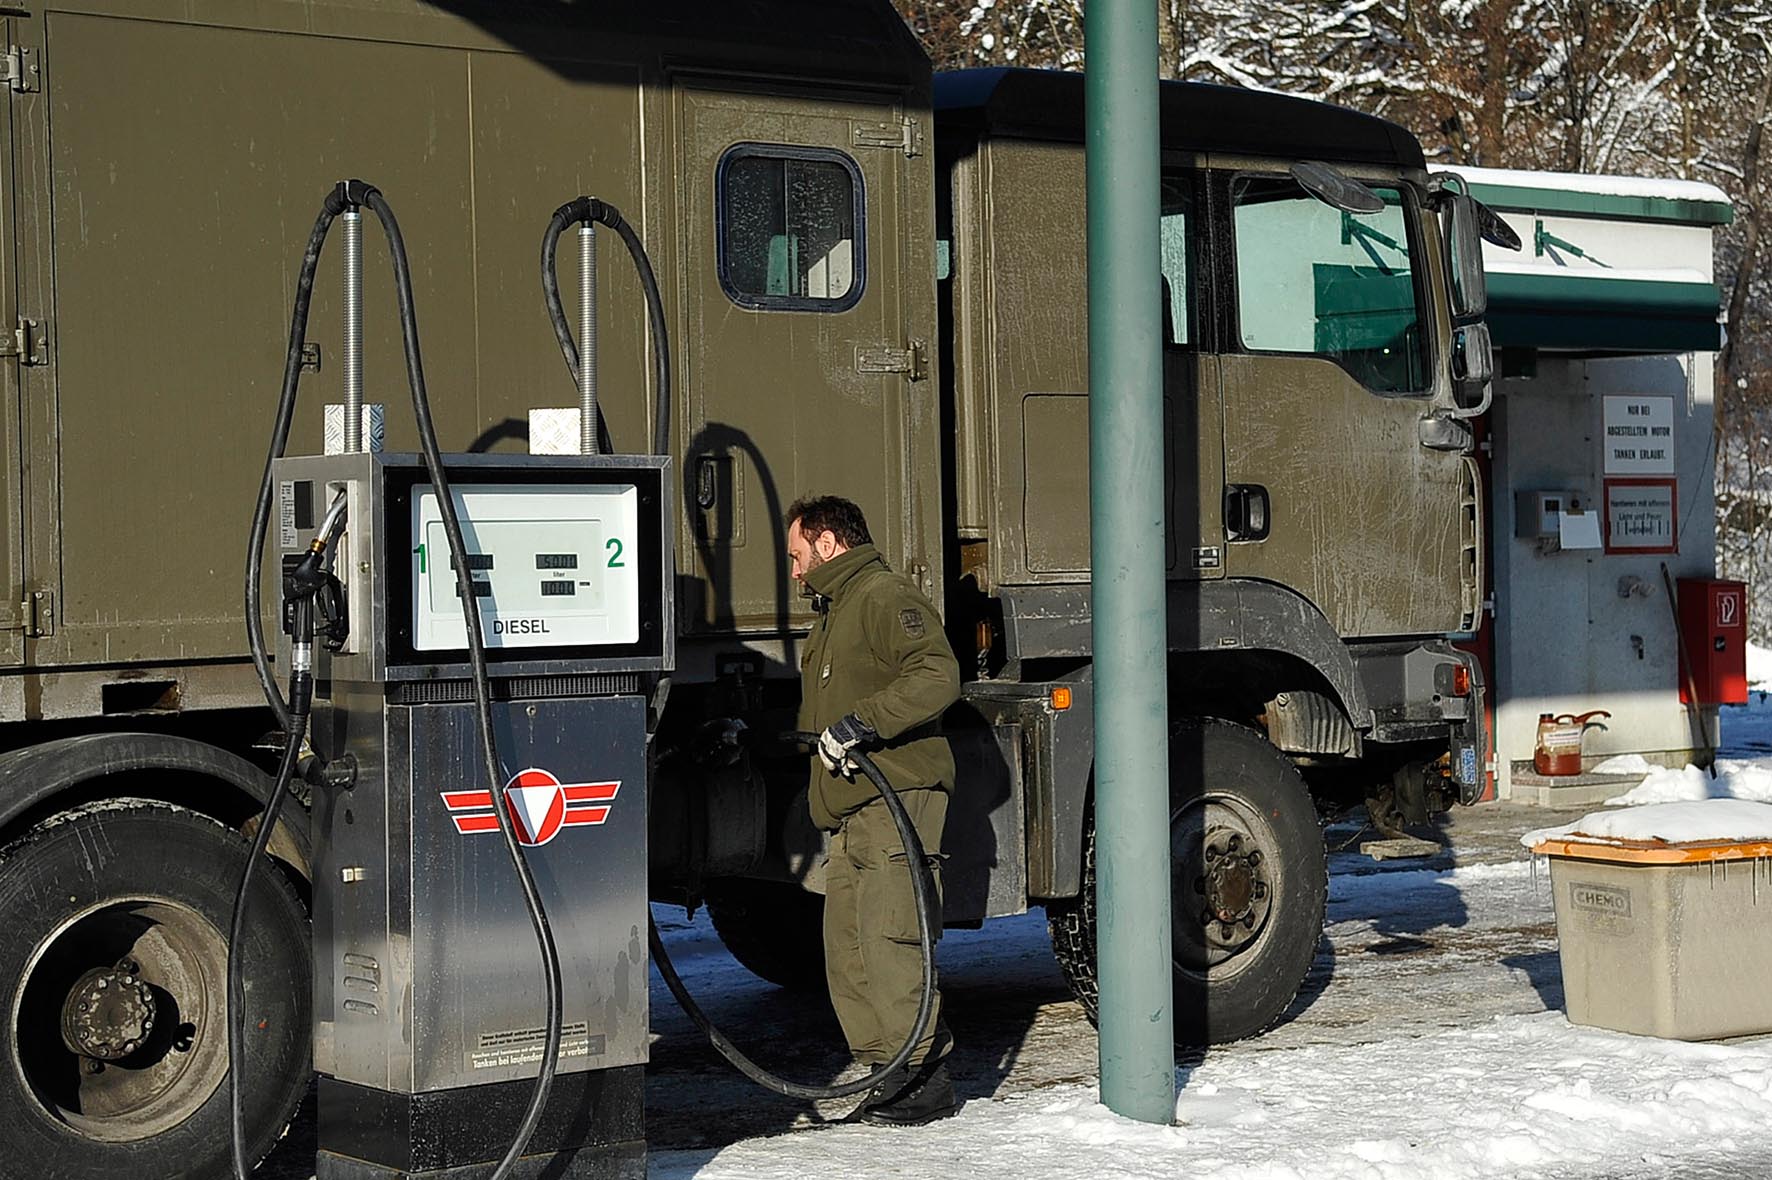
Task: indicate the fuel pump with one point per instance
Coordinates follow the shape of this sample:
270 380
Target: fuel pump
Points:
475 641
428 1035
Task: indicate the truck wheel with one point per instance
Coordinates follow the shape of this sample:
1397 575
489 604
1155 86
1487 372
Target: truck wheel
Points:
1247 891
774 930
113 993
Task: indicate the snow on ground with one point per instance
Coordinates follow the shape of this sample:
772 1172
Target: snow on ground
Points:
1759 666
1735 779
1516 1095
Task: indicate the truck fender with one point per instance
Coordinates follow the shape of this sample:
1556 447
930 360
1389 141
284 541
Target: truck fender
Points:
1217 616
1241 614
38 779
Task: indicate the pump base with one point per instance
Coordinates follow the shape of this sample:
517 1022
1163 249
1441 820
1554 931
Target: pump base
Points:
593 1128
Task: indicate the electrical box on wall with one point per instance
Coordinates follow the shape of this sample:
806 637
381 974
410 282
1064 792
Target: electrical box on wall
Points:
1556 519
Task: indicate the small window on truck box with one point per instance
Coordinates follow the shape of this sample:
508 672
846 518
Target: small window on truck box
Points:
1314 279
791 228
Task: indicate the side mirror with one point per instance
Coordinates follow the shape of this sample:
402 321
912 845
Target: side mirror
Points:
1464 258
1473 365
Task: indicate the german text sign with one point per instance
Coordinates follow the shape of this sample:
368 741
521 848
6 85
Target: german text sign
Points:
1640 516
1639 435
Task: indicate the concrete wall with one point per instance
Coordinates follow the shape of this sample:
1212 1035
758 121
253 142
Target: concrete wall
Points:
1583 629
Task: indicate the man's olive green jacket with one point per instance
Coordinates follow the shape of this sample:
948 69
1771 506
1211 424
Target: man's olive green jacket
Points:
876 650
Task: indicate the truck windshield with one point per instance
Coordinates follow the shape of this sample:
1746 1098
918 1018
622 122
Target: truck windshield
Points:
1313 279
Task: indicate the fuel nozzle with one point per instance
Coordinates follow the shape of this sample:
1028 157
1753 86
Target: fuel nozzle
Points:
310 588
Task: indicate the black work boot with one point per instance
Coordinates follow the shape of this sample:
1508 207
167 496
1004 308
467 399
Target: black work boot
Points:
891 1084
928 1096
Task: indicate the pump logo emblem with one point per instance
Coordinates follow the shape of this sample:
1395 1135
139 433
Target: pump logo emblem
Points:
538 803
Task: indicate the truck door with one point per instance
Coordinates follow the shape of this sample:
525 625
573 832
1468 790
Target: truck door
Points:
1328 367
18 351
802 364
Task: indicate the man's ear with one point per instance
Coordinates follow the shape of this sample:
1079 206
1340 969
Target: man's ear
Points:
826 544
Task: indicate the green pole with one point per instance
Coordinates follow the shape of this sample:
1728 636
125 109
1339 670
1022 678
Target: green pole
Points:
1126 556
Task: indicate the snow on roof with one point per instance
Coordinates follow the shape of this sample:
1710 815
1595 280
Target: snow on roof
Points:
1668 274
1652 188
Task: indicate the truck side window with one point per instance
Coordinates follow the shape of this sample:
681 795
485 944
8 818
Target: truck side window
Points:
1177 213
1313 279
790 228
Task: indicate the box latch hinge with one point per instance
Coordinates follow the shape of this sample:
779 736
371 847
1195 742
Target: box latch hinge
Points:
27 343
911 361
903 135
38 612
18 69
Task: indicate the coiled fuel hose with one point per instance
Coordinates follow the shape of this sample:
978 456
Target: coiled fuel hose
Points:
922 890
292 714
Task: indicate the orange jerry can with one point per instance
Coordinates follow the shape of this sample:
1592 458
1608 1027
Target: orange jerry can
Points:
1558 752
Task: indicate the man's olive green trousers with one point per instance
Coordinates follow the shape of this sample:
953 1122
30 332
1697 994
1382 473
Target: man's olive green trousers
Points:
872 958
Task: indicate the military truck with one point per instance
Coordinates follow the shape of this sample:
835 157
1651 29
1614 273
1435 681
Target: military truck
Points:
874 287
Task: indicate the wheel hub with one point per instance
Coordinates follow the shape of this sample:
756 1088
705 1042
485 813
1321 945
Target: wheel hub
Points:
117 1029
1224 891
109 1012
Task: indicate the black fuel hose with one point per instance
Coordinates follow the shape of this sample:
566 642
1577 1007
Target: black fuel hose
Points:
591 209
237 930
292 715
922 889
464 580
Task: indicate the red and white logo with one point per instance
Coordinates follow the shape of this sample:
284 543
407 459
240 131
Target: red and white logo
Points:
538 803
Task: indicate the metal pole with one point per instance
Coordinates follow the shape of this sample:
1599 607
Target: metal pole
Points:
353 228
1126 445
587 339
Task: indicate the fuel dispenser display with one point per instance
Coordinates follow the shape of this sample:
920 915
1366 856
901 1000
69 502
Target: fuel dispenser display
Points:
427 990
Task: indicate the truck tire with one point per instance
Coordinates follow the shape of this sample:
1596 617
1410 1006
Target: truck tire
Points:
132 898
775 930
1233 800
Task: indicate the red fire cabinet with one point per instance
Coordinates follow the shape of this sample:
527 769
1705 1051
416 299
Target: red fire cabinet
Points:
1713 623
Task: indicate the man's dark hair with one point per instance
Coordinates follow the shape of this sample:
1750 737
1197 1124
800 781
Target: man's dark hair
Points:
830 514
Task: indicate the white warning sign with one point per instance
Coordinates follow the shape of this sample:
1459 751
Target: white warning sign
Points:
1641 516
1639 435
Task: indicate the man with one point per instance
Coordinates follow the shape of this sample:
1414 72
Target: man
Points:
877 675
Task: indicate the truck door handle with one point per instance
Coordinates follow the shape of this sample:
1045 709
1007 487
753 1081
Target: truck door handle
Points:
707 475
1246 515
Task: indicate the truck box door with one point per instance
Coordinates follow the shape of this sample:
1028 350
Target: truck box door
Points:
20 349
801 367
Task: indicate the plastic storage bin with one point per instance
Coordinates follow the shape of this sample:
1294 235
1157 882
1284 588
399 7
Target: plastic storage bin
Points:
1667 940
